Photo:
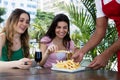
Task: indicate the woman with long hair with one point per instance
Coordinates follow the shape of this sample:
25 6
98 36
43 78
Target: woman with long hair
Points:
14 38
57 38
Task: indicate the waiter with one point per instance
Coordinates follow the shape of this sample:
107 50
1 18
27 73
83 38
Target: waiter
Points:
105 9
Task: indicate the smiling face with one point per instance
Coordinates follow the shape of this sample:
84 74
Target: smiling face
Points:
61 29
22 24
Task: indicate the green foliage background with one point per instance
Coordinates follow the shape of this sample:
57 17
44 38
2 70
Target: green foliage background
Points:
2 12
41 24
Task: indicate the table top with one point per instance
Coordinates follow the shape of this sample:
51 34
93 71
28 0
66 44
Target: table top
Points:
48 74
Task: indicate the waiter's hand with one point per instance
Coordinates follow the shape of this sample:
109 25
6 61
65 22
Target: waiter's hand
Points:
78 56
99 62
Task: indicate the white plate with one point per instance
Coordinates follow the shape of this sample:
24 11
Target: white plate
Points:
67 70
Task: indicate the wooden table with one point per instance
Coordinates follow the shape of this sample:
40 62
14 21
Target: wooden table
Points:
48 74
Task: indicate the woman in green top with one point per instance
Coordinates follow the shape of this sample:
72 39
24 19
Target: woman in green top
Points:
14 41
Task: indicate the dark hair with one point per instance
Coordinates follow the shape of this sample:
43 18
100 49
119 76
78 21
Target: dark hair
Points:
51 31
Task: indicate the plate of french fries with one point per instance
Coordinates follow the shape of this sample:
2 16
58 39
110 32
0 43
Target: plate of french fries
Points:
67 66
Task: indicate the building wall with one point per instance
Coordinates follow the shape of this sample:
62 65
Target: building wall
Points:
50 5
10 5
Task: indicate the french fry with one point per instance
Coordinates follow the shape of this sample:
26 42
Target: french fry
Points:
69 64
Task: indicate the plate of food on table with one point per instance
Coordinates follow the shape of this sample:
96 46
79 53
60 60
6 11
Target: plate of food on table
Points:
68 65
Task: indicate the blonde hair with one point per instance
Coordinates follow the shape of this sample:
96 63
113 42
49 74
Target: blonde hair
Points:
9 31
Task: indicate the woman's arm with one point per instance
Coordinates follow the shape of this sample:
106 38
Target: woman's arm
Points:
24 63
46 51
45 54
2 41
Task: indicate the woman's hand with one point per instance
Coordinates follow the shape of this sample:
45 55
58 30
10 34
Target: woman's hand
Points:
52 48
24 63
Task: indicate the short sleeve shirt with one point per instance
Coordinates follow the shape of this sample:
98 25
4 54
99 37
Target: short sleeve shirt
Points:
98 3
53 57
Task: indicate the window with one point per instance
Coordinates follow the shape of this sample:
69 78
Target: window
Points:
71 0
29 6
21 4
5 3
13 4
33 6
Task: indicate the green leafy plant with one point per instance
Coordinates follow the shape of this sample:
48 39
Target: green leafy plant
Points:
40 25
2 12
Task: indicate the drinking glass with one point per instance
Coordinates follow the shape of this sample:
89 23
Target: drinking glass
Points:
69 55
38 58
